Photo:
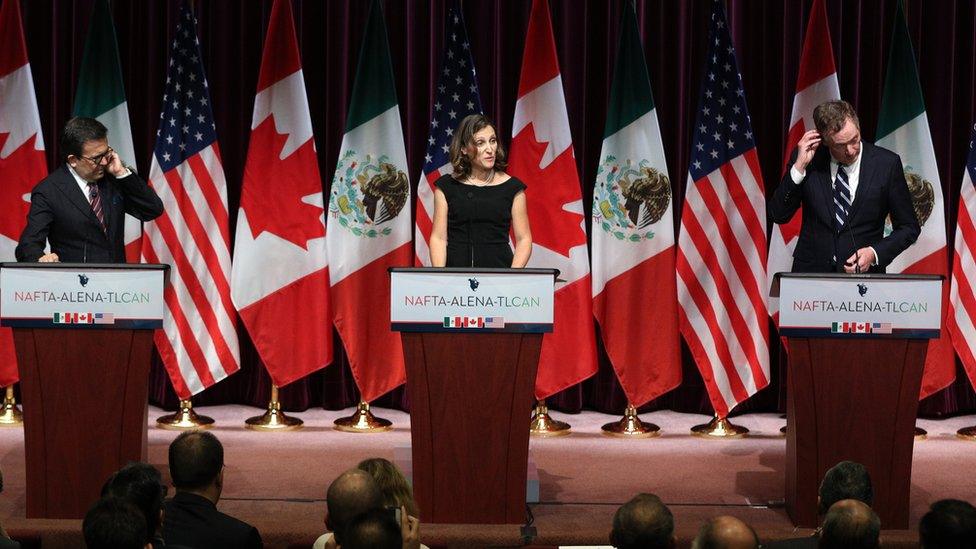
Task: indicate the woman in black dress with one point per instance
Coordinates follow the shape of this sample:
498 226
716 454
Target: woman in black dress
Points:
476 206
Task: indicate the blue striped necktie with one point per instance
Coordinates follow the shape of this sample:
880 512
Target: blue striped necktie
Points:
842 197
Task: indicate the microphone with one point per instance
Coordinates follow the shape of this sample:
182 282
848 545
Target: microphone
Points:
850 231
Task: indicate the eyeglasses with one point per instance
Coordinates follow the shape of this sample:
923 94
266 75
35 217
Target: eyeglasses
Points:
97 160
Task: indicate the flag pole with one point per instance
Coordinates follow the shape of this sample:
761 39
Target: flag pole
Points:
631 426
10 414
362 421
184 419
719 427
273 419
543 425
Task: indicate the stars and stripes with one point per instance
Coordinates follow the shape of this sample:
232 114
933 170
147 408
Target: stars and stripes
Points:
722 245
961 321
455 97
198 343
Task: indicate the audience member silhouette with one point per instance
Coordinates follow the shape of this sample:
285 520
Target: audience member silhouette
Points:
643 522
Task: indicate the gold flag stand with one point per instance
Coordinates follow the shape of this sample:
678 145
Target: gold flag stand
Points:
921 434
184 419
967 433
10 414
630 426
363 421
273 419
719 427
543 425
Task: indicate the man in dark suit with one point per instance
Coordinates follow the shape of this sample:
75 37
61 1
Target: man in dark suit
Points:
196 464
79 208
847 189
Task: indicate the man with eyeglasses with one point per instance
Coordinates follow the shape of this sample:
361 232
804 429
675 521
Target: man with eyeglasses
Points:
79 209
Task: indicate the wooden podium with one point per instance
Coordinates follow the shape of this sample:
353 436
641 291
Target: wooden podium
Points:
83 335
857 346
471 341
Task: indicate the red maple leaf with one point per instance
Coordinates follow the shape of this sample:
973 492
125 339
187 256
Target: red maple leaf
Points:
548 192
274 187
23 169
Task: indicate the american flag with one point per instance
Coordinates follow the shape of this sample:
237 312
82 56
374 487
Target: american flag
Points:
722 246
198 343
456 97
961 321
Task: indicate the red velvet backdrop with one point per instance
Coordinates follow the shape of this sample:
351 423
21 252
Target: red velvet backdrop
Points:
768 38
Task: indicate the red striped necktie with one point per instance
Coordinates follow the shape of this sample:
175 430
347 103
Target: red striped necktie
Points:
96 204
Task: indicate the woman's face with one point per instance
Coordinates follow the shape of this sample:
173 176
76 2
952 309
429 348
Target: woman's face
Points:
481 149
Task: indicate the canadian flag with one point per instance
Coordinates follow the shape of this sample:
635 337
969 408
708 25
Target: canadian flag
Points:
279 272
542 157
816 84
22 161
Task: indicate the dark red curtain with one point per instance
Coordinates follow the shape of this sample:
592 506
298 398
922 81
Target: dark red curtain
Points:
768 38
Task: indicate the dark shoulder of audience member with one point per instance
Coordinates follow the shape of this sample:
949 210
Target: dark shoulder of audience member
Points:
352 493
725 532
949 524
846 480
114 523
142 485
643 522
375 529
850 524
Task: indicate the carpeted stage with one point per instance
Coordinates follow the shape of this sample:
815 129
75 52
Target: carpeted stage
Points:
277 481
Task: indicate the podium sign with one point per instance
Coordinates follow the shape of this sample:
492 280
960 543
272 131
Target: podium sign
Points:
842 305
471 300
66 295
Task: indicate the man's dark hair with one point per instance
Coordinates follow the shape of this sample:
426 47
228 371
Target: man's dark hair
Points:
352 493
375 529
643 522
850 524
78 131
113 523
195 460
846 480
949 523
830 117
141 485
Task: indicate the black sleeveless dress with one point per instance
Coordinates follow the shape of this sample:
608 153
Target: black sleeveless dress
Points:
478 222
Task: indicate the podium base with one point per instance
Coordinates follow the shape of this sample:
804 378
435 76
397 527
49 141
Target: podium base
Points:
719 427
184 419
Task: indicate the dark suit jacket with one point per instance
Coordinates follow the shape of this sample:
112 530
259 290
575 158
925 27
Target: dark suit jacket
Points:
60 213
194 521
6 543
881 191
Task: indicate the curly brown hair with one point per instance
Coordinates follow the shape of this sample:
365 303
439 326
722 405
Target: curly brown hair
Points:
464 136
829 117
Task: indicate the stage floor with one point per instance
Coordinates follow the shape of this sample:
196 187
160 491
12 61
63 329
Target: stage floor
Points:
278 480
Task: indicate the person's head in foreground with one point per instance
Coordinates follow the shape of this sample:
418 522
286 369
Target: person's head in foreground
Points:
352 493
949 524
846 480
114 523
725 532
850 524
391 482
643 522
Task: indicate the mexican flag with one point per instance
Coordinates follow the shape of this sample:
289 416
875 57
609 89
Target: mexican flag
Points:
22 161
101 95
368 223
633 233
542 157
903 128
